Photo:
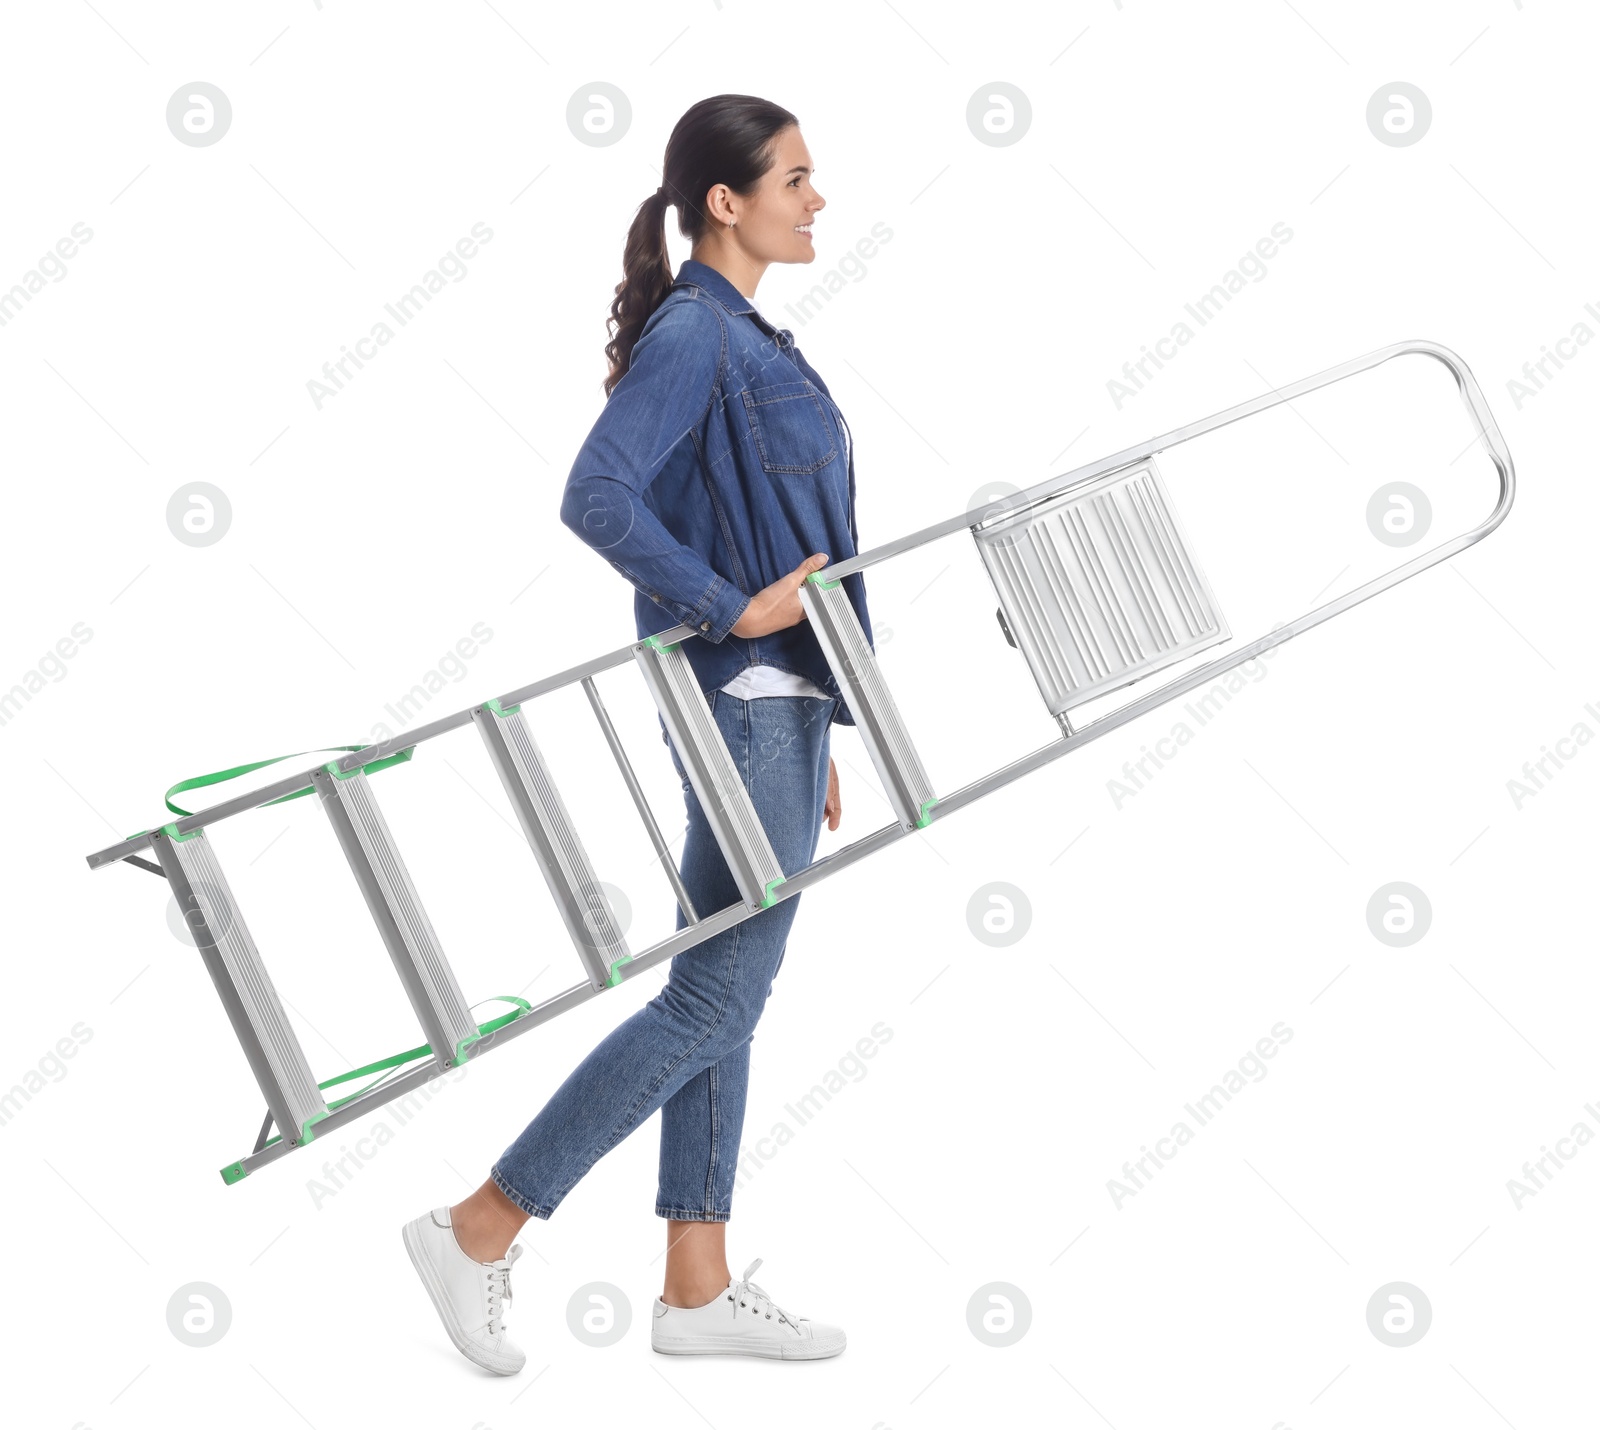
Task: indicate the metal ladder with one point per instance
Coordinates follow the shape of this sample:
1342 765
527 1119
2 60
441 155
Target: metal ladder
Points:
1098 588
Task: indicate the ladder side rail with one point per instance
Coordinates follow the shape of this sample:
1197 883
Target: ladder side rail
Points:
552 1007
385 1093
609 661
1467 386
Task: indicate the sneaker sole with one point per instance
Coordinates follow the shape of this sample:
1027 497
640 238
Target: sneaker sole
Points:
500 1365
729 1345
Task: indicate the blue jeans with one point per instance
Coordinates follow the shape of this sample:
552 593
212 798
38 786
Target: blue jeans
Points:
687 1051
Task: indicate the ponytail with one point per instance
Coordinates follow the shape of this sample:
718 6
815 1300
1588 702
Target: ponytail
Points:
727 139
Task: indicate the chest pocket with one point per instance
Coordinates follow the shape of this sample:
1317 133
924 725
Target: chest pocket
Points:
791 431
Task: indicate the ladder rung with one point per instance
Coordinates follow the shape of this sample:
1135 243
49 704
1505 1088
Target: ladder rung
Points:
230 956
877 717
585 909
726 802
430 983
1099 586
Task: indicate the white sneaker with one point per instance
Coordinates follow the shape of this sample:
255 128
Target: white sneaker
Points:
742 1321
467 1294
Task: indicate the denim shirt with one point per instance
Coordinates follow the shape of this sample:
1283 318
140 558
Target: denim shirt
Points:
718 464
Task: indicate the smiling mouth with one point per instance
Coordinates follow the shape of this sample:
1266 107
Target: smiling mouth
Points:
803 228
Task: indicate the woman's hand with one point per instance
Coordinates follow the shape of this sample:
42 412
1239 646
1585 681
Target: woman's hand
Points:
777 607
830 810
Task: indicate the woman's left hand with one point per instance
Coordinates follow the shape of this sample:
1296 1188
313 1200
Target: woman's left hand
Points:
830 810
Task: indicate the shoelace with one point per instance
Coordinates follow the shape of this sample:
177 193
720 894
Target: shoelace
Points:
499 1273
744 1286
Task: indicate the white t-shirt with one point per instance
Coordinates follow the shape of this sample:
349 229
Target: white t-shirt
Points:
758 680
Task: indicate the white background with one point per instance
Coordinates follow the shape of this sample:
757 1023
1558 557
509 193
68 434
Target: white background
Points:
1163 934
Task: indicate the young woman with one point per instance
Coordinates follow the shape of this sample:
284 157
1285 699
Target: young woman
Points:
718 477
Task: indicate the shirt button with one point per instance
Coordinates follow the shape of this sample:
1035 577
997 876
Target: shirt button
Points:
654 597
705 625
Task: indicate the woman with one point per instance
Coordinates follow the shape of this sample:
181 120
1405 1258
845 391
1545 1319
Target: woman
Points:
717 478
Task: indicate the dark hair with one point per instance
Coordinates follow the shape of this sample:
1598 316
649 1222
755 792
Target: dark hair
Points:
727 139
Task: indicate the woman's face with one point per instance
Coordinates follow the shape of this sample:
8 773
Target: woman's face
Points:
774 224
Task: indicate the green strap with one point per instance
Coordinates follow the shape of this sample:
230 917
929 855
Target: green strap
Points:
201 780
400 1059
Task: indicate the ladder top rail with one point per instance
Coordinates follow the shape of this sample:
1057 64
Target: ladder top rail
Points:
1470 392
1467 385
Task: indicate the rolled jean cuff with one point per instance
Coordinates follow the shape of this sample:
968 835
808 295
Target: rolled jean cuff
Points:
683 1214
512 1194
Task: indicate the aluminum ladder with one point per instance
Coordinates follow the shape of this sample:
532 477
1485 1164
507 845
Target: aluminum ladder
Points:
1098 587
